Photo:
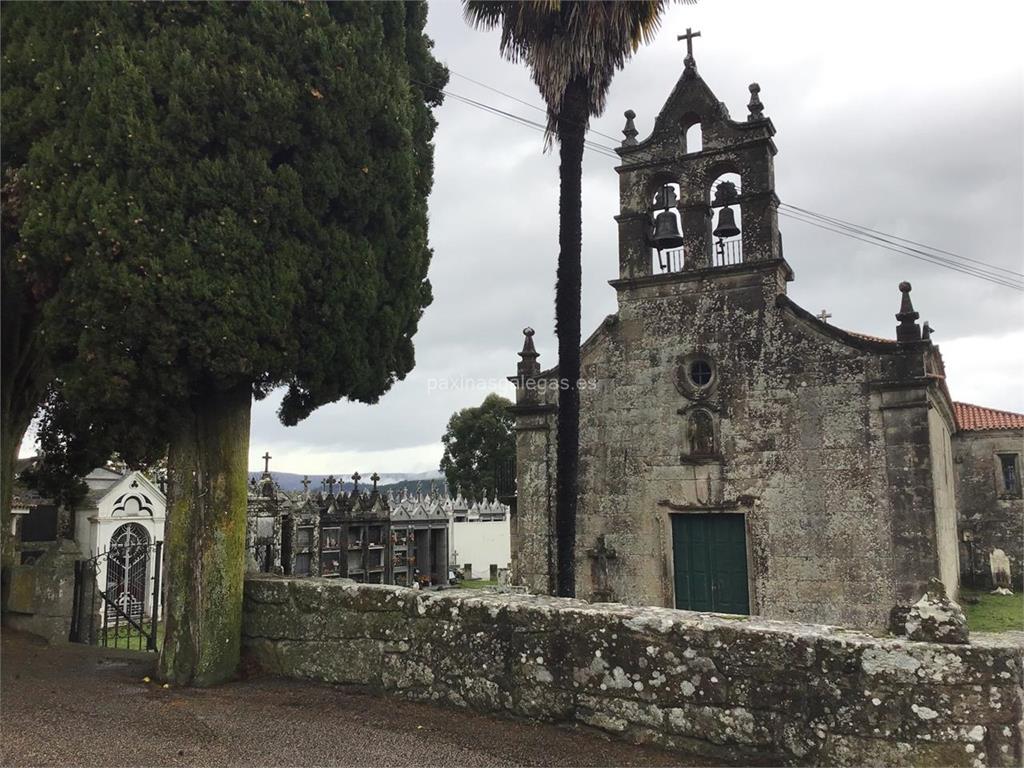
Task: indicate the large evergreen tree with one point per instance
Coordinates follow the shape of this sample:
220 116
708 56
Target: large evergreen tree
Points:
240 202
478 444
573 49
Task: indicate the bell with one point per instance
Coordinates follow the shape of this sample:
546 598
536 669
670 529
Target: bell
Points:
726 224
666 232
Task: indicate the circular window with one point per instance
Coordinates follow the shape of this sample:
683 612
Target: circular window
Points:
700 372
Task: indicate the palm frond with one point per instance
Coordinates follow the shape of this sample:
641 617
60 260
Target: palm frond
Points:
563 40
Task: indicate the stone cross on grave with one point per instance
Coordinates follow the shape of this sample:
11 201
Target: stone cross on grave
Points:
600 555
823 316
330 481
266 462
355 481
305 484
688 37
374 478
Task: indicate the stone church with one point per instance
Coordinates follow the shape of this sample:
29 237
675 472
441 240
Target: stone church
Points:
738 453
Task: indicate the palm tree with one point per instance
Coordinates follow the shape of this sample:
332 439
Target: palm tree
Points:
573 49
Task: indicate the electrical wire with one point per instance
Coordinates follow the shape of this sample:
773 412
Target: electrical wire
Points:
894 243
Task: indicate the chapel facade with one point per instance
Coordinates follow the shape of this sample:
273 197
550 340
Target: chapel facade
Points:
738 453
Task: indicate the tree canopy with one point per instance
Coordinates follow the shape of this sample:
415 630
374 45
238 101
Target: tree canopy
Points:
215 200
237 193
478 443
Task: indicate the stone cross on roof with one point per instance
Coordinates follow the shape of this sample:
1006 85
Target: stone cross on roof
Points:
823 316
355 481
330 481
266 462
305 483
374 478
688 37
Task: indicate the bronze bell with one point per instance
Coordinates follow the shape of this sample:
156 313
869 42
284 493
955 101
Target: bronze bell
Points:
726 224
666 232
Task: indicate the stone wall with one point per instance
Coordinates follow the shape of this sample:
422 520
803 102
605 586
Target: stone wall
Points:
751 690
39 596
990 518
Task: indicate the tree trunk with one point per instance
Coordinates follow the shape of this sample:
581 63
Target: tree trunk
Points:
12 430
205 540
571 131
23 381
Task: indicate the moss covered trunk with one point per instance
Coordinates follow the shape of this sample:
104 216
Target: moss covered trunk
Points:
205 540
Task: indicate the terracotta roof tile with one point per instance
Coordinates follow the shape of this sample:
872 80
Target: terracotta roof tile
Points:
971 418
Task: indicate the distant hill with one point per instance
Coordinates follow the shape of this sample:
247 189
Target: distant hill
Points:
289 481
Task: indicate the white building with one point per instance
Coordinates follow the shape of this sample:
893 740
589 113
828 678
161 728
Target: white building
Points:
479 533
123 514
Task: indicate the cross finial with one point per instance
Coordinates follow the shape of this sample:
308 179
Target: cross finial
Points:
330 481
305 484
823 316
266 462
374 478
355 481
688 37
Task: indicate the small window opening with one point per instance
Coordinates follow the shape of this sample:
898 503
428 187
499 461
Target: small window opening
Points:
694 139
1010 473
700 373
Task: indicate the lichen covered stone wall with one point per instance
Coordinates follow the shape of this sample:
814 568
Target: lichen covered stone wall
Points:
751 690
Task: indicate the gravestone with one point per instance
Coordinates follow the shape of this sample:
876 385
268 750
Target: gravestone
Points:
999 566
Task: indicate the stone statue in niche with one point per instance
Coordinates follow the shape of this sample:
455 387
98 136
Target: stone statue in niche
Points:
701 434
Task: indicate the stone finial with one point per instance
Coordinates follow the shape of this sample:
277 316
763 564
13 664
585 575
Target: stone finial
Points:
356 477
908 329
755 107
374 478
935 618
629 131
528 366
927 331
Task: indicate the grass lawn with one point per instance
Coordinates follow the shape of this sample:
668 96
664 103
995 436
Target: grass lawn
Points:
476 584
993 613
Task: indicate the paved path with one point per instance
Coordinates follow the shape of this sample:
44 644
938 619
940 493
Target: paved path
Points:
74 705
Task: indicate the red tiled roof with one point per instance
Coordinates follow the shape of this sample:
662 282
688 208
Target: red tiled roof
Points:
975 418
871 338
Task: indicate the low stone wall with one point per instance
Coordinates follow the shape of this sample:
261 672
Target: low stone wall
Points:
39 596
746 689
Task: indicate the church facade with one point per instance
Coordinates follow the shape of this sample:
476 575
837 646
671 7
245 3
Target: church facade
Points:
738 453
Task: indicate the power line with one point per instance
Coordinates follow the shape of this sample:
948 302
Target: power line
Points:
894 243
987 270
599 148
524 102
903 239
962 269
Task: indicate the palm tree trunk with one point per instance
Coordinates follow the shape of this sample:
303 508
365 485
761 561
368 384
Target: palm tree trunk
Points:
571 131
205 536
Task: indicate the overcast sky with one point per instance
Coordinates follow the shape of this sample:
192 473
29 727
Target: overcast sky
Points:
902 116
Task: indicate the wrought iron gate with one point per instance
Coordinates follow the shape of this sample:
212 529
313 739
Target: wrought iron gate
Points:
117 600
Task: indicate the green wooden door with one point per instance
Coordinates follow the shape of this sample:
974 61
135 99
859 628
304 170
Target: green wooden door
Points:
710 553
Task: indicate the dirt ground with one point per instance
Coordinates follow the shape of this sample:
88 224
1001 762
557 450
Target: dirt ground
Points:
76 705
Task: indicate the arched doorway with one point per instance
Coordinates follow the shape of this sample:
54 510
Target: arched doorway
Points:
127 570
